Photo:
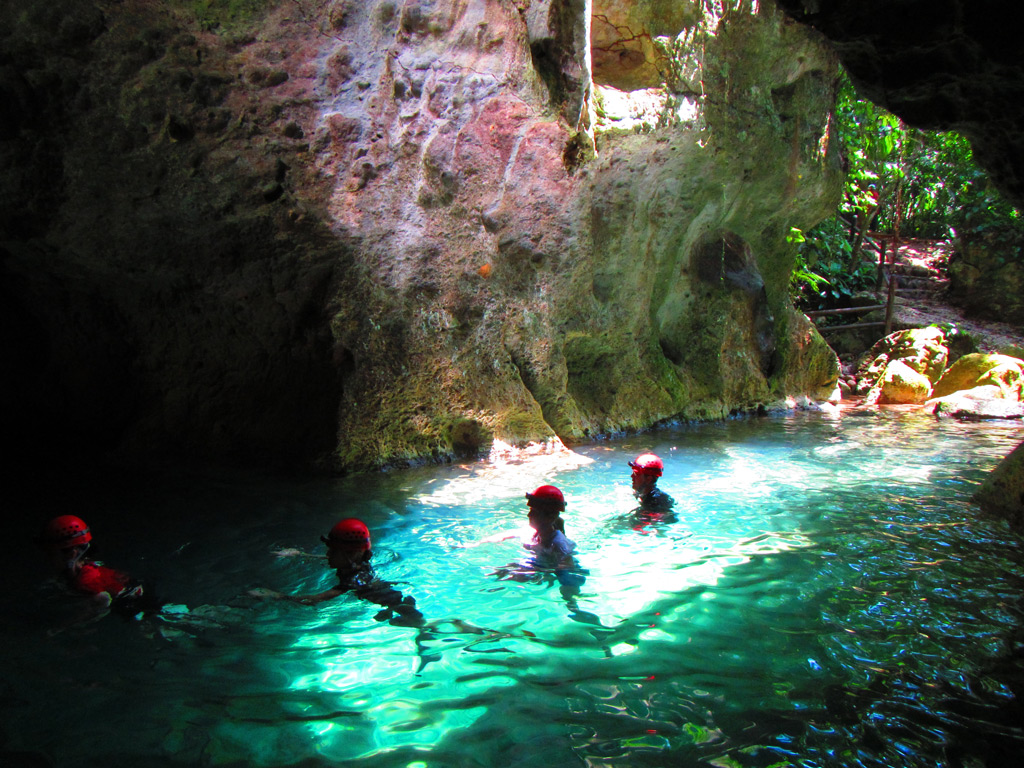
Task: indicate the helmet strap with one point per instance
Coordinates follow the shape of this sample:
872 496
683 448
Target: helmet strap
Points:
77 554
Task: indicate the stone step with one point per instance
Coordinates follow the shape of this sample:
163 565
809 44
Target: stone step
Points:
916 270
911 270
922 285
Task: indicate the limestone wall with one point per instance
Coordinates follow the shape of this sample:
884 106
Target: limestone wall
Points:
359 233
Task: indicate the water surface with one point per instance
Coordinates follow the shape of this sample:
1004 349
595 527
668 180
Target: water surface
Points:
825 595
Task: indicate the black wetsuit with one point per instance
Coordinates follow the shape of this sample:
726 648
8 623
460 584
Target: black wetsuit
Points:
655 500
364 584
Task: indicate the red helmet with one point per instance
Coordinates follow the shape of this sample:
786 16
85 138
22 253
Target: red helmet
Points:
349 531
546 494
65 532
648 464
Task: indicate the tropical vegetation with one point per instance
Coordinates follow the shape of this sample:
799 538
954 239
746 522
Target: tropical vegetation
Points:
900 182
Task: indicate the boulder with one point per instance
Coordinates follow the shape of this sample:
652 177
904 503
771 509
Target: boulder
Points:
979 369
922 349
902 384
984 402
1003 491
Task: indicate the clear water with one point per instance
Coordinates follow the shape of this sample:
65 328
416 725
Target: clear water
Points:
827 596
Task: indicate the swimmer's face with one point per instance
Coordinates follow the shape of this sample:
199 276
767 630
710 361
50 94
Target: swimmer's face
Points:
542 518
343 554
643 482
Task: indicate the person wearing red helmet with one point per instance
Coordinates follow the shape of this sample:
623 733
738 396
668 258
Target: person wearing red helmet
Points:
647 468
544 535
552 552
549 543
65 539
349 553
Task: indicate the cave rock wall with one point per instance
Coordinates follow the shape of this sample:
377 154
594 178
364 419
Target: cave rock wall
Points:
361 233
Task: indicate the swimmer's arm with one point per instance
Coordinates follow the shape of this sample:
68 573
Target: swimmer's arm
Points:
502 536
292 552
330 594
516 533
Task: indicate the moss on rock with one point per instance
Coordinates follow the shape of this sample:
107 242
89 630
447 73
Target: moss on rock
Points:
979 369
901 383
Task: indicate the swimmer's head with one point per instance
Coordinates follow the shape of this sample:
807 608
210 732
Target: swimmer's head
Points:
547 498
647 464
65 532
349 533
65 540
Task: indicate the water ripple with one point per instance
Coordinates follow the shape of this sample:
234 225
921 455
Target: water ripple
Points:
825 595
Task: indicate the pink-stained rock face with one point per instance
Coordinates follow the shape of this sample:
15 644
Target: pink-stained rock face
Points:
345 234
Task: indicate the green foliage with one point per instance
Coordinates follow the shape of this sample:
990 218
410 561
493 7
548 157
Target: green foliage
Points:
918 183
871 139
823 276
900 181
946 194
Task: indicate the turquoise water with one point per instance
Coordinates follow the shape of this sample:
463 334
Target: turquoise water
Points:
826 596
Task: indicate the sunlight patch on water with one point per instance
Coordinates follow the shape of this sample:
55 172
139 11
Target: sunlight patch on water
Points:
503 479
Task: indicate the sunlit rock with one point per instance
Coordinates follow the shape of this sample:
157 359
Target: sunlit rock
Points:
979 369
923 349
902 384
987 401
919 351
628 39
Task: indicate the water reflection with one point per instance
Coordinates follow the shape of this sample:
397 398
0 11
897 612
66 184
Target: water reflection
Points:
825 595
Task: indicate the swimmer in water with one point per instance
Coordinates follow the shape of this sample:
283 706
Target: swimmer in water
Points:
544 534
65 541
551 550
349 554
647 468
550 546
